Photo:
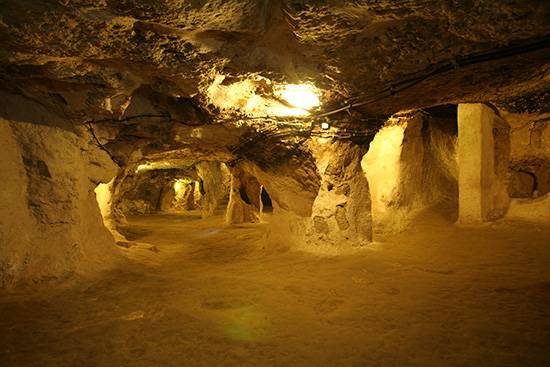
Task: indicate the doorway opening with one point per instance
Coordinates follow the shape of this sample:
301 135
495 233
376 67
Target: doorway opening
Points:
267 204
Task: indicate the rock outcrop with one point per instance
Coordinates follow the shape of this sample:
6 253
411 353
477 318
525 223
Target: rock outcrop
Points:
51 226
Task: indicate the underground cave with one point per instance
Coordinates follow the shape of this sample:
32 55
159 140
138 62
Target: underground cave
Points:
275 183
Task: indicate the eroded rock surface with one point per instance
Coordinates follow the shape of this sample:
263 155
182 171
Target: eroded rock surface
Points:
51 226
93 89
90 58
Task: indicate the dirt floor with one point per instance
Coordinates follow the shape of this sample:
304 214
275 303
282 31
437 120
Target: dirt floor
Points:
438 295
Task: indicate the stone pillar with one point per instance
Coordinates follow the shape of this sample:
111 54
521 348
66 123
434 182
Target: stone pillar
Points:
341 211
244 197
167 195
394 167
184 198
215 177
480 189
197 195
188 197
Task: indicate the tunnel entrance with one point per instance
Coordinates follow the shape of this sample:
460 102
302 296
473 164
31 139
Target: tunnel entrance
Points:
157 191
244 195
267 204
163 188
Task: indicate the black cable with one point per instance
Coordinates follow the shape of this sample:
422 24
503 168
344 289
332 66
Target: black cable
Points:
443 67
101 146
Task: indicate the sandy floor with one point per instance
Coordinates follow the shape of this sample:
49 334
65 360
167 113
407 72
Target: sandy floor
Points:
438 295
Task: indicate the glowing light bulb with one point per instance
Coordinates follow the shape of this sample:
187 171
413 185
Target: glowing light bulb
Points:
325 126
180 184
142 167
303 96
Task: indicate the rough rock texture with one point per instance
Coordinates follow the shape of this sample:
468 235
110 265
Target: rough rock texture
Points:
531 210
167 196
430 138
141 197
185 198
132 77
111 218
341 211
143 192
89 57
51 226
522 184
393 166
215 182
440 166
292 185
320 200
483 157
244 198
411 164
530 154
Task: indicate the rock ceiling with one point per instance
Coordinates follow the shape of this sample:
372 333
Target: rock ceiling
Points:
85 58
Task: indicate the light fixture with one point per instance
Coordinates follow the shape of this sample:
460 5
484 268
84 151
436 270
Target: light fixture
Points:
151 166
325 126
180 184
304 96
249 97
143 167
